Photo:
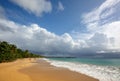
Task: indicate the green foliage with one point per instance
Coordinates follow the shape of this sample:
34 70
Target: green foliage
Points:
10 52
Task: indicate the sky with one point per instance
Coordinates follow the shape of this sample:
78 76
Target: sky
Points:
61 27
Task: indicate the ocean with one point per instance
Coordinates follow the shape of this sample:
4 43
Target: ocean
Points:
102 69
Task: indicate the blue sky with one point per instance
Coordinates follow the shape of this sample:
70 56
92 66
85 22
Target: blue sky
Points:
61 26
56 21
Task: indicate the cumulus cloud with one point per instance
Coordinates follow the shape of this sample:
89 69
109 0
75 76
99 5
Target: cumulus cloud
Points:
112 30
60 6
37 7
102 37
36 38
98 40
103 23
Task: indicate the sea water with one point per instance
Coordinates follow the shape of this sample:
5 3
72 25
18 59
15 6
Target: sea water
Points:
102 69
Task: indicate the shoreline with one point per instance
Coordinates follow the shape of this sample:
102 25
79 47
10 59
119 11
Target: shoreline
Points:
38 70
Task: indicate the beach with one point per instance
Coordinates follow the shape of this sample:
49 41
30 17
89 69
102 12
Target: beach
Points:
38 70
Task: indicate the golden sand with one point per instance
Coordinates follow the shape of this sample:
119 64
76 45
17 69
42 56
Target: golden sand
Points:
31 70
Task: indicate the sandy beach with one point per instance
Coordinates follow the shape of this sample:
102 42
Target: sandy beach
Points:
33 70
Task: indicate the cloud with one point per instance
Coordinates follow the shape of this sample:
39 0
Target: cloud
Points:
60 6
112 31
2 12
37 7
101 15
99 38
38 39
103 25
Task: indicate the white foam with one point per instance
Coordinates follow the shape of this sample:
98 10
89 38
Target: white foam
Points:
103 73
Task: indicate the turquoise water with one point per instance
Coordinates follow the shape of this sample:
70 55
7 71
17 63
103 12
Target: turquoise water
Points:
102 62
102 69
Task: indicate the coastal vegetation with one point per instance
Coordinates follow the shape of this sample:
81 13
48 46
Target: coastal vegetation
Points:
10 52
